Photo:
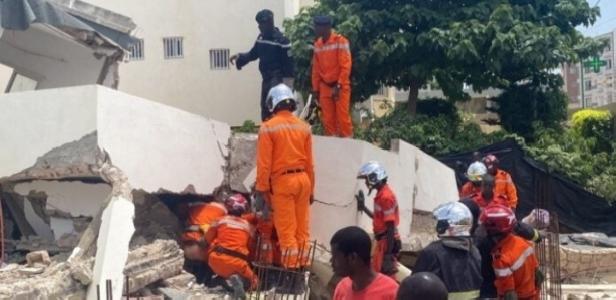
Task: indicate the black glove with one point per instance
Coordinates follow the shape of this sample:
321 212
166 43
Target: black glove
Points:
389 265
361 201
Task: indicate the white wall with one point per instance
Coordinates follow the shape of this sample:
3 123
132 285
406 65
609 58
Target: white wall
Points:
188 83
74 197
157 146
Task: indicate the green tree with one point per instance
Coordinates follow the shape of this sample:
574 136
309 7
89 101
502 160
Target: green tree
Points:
486 43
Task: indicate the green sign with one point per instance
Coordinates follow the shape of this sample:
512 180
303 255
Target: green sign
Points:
595 64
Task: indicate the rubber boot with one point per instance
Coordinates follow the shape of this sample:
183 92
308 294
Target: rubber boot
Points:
237 286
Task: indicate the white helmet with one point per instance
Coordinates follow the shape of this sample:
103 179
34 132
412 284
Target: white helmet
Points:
373 172
453 219
476 171
278 94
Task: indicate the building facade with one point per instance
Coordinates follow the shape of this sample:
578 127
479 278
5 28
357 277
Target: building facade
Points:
592 89
182 58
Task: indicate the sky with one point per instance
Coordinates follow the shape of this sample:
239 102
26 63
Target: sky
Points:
606 23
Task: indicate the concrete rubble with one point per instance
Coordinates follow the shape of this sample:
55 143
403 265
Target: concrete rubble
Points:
97 195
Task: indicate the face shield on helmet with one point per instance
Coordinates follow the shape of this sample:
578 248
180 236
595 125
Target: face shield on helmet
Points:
476 171
236 204
498 219
373 173
453 219
279 94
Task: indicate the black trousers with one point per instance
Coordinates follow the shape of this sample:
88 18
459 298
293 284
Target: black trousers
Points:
266 85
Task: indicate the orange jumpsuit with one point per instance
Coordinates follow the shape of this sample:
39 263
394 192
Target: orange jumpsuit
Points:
469 189
331 65
503 185
515 263
231 234
200 217
482 202
285 170
385 210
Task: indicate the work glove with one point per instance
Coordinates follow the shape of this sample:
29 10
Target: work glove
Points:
361 201
389 265
336 92
259 201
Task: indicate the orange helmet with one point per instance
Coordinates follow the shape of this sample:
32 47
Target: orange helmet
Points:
498 219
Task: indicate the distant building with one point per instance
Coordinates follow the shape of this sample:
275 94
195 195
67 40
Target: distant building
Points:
597 88
182 57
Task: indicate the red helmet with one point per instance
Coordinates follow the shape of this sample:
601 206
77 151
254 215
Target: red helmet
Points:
497 219
236 203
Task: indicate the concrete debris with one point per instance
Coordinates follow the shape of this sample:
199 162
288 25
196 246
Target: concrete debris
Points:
41 257
157 261
81 273
32 270
153 220
181 281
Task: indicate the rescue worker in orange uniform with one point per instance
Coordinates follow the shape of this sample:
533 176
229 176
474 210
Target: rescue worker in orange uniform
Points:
285 176
198 220
475 174
513 258
487 195
229 239
385 218
503 183
331 84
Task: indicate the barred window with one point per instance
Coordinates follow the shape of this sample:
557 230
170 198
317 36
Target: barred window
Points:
136 51
174 47
219 59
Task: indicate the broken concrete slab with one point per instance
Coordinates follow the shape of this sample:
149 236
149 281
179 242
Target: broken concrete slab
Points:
159 260
132 130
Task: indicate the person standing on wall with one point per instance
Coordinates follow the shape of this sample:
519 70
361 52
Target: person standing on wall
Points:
273 50
285 176
331 83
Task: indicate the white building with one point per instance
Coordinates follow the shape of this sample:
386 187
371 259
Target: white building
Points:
182 59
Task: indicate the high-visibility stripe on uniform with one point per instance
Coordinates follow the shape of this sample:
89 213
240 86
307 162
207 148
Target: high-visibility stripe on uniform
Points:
234 224
274 43
463 295
390 211
504 272
332 47
219 205
280 127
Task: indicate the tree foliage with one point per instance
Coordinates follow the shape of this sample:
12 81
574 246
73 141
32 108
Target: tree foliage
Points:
485 43
534 104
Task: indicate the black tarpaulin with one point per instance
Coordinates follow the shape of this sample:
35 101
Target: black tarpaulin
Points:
577 209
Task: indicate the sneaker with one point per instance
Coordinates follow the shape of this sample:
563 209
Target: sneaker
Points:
237 286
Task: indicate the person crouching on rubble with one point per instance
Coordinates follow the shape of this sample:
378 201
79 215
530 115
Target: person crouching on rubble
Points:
453 258
200 217
229 239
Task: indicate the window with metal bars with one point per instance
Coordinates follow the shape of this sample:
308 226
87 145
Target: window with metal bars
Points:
219 59
136 51
174 47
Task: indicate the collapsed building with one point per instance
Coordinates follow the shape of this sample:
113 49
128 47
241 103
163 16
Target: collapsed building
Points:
88 173
89 176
